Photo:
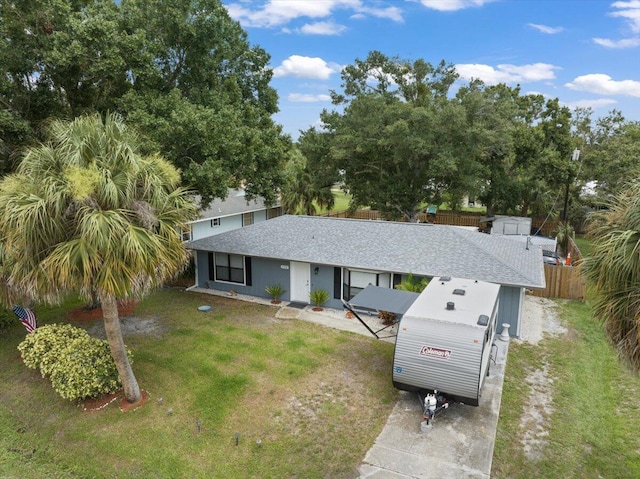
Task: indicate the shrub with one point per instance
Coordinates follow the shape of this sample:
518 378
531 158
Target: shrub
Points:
413 284
275 291
7 318
85 369
77 365
40 349
319 297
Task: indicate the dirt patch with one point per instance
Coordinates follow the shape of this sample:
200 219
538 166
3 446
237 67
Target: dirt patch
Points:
539 316
540 319
85 314
537 412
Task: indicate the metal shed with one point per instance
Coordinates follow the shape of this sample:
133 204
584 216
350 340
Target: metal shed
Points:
445 339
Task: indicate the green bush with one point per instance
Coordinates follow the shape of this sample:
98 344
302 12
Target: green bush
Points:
275 291
85 369
319 297
40 349
77 365
7 318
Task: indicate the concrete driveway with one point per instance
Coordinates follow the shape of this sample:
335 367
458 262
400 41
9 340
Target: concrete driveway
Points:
459 443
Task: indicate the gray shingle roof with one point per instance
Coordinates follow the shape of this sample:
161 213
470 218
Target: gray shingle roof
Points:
420 248
235 203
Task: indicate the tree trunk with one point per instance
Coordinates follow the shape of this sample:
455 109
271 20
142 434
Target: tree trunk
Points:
118 350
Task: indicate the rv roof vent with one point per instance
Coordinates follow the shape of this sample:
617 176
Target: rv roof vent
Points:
459 292
483 320
445 278
450 305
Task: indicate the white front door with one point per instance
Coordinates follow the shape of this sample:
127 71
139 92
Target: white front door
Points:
300 279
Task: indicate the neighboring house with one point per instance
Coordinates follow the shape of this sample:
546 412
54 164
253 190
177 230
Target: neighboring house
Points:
233 212
343 256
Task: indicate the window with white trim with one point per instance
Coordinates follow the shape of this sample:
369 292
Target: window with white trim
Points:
215 222
185 233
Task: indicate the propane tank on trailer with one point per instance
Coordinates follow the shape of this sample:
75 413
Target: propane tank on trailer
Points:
430 403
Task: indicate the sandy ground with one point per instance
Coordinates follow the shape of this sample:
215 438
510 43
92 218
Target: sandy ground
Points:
540 318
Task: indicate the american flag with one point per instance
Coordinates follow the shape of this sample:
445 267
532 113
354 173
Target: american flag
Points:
26 317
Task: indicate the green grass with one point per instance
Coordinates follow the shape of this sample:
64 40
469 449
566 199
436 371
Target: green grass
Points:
593 430
584 244
341 202
316 398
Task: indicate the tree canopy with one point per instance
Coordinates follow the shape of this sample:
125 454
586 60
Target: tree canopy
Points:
400 141
87 213
182 72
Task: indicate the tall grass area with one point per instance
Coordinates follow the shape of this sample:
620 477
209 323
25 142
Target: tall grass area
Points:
593 429
584 244
233 393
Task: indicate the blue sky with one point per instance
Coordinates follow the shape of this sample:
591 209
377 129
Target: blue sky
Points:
584 52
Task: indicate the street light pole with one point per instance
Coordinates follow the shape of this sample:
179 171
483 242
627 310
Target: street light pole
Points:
574 157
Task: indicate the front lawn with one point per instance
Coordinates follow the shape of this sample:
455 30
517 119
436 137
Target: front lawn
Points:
233 393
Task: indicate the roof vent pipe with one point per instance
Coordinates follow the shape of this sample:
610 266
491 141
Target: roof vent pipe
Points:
450 305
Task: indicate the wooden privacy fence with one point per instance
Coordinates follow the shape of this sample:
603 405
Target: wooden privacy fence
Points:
454 218
565 282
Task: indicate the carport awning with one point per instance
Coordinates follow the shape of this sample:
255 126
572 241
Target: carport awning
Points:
384 299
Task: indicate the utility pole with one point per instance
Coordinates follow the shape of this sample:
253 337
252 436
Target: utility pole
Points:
574 157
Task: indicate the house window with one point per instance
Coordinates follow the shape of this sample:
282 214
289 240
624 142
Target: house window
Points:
247 219
215 222
185 233
274 212
356 281
229 268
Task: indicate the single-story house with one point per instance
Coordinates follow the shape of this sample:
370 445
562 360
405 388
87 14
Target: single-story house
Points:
343 256
233 212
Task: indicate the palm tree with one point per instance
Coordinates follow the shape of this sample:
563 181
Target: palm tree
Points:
301 191
614 270
87 213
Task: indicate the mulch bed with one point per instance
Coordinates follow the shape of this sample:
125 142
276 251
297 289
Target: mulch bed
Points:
97 404
84 314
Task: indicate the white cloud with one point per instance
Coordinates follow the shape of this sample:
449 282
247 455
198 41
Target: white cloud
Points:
307 98
597 103
630 12
546 29
624 43
604 85
453 5
306 67
507 73
276 13
322 28
392 13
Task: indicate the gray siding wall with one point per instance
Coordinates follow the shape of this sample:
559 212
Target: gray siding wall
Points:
324 280
267 272
203 229
264 272
509 309
260 215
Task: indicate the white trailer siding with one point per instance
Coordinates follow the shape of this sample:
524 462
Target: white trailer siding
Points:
446 349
